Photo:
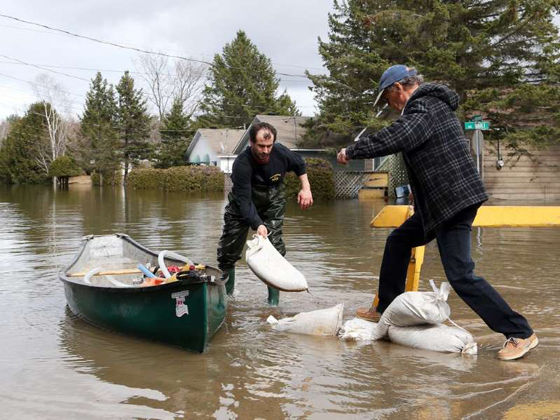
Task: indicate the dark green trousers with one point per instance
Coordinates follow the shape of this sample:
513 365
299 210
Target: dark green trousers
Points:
271 207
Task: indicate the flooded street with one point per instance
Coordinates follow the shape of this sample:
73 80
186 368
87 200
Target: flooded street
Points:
56 366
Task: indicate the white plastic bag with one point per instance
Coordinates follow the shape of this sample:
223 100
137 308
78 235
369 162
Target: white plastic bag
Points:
272 268
358 329
324 322
434 337
417 308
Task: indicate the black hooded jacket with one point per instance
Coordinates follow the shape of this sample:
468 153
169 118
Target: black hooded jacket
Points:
442 173
249 177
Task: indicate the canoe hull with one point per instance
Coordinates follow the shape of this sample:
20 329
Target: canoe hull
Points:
154 315
178 313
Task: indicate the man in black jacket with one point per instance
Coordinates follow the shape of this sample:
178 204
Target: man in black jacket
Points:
447 192
257 198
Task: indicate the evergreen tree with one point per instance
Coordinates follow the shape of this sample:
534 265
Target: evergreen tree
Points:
175 137
242 84
499 55
21 157
98 146
133 123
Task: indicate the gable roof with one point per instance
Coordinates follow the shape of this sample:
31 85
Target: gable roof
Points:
289 130
221 140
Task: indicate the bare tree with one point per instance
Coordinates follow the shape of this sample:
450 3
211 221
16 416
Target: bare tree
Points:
184 80
52 97
48 90
154 72
188 85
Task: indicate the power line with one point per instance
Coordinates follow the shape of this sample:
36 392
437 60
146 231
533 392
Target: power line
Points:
81 95
168 75
37 84
49 68
137 49
85 68
80 105
200 54
44 68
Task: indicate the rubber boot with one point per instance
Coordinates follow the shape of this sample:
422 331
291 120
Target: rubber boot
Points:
273 296
230 285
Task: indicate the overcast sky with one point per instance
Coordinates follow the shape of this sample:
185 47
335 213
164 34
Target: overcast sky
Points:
286 31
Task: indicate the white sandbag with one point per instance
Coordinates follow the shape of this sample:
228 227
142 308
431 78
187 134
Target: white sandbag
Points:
358 329
440 338
272 268
324 322
416 308
424 358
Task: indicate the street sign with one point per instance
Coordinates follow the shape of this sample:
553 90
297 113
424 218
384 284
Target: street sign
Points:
477 125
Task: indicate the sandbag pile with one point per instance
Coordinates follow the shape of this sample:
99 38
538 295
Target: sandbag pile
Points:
415 319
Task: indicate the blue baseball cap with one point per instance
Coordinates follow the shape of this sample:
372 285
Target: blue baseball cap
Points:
391 76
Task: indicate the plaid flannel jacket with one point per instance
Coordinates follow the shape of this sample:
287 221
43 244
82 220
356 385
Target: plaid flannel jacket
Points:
442 173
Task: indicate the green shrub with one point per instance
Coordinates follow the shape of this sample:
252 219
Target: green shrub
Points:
64 166
321 178
145 179
109 178
179 179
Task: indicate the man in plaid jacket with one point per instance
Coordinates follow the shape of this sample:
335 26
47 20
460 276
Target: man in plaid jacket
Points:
447 192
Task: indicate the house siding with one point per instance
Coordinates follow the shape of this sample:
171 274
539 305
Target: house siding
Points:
201 149
523 178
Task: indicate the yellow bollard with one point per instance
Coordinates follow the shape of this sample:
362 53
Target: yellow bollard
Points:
416 258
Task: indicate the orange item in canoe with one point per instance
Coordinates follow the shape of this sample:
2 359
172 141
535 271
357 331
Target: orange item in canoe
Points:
152 281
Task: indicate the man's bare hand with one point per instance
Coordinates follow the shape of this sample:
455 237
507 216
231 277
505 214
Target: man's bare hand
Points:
305 199
262 230
341 157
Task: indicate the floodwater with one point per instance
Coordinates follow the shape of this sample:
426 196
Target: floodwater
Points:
55 366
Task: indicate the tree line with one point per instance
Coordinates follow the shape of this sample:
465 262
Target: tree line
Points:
501 56
116 132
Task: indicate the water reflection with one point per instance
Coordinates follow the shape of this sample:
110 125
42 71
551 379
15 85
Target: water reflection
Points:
54 365
157 376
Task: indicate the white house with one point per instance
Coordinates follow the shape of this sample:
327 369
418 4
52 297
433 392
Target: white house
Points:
289 130
214 146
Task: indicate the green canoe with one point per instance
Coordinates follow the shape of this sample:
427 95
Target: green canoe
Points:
102 287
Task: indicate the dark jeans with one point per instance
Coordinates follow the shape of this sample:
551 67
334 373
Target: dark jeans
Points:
454 243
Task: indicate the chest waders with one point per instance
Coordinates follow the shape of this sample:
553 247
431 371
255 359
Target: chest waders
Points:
270 203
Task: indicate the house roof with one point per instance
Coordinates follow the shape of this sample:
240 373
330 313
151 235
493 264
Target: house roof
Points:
289 130
221 140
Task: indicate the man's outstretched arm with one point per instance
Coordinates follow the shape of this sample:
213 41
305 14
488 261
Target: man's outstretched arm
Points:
305 198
